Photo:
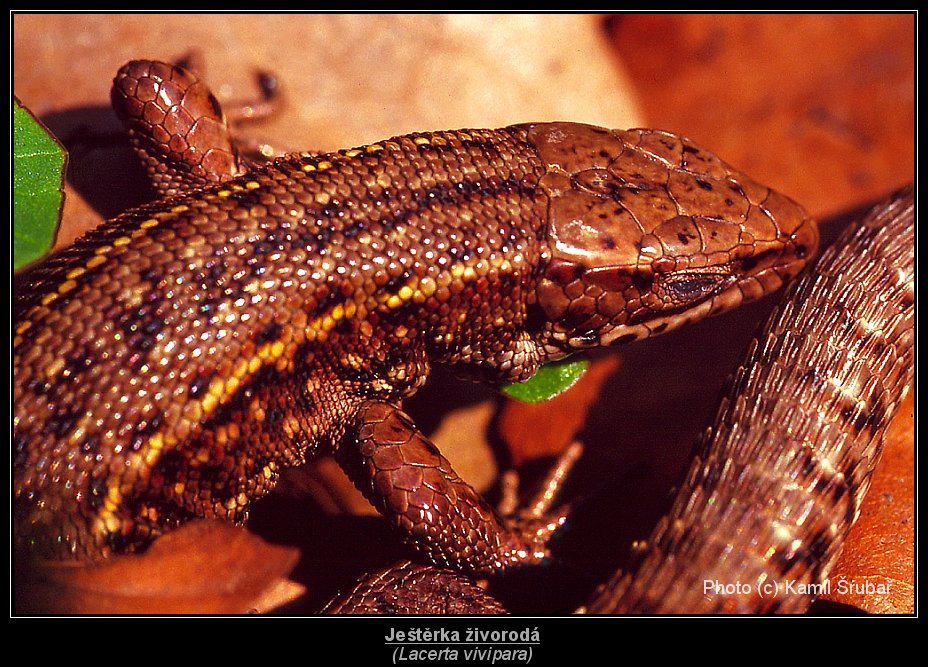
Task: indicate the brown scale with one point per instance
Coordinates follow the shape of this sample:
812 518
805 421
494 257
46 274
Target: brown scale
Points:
174 360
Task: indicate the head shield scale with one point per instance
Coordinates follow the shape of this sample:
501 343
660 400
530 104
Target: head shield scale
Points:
647 231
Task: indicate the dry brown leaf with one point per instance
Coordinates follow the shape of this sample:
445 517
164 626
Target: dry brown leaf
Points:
875 571
463 437
205 567
281 593
819 106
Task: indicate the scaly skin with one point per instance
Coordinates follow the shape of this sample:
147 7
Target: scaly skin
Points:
171 362
762 515
780 477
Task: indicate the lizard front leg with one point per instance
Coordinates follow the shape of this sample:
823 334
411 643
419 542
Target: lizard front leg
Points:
406 478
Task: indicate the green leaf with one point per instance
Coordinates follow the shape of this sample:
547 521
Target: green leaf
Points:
550 380
38 173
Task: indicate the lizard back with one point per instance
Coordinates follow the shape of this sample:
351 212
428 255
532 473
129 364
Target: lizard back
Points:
173 360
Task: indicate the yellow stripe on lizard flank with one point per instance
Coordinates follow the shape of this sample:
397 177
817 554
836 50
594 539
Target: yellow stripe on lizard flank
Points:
220 391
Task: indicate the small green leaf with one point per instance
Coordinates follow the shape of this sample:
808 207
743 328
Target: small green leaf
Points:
550 380
38 173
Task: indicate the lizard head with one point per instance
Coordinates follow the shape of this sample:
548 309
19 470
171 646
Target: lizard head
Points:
647 232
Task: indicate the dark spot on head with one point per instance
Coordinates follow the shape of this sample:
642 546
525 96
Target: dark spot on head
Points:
784 560
303 400
683 238
608 242
563 272
322 236
396 282
265 375
705 185
861 421
326 299
20 446
643 281
78 363
274 414
38 386
819 543
265 246
610 279
849 324
752 261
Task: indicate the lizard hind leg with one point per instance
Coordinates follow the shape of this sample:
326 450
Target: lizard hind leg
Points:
178 127
540 510
407 479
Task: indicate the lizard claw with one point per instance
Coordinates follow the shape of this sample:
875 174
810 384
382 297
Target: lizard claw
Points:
536 523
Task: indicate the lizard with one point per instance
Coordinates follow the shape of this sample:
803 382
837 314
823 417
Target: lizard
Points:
171 362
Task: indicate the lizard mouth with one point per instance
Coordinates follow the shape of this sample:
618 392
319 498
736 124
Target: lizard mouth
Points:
691 295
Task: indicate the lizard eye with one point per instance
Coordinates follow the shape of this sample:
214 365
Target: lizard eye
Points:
686 288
